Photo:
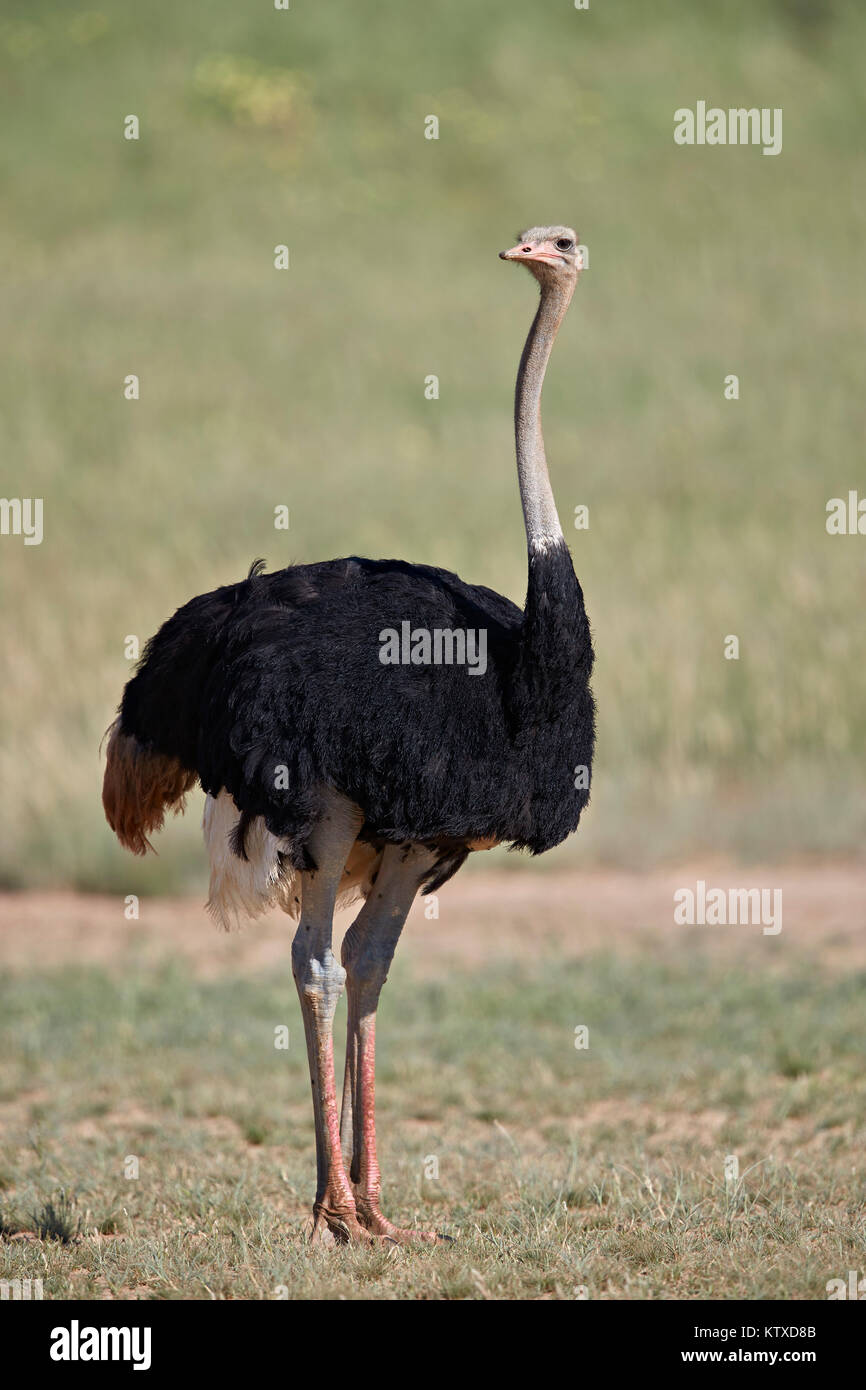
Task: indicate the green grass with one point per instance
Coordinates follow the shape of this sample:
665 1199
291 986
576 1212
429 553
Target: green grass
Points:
306 388
559 1170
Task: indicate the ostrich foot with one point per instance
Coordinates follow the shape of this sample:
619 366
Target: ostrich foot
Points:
376 1224
340 1226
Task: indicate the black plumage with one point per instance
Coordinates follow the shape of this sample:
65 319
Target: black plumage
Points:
273 689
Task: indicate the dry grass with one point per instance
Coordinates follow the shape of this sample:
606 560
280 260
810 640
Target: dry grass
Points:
559 1171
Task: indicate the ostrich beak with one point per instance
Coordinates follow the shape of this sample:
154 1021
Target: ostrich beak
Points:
543 253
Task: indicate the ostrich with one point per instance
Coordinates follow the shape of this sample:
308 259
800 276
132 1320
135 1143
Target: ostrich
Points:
335 774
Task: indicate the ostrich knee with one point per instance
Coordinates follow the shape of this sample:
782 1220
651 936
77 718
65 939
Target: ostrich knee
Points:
366 964
319 976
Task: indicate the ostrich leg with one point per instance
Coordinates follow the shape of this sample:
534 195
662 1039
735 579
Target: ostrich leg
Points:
320 978
368 949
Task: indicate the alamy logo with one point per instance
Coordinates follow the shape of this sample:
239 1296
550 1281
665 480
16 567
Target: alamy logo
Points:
443 646
846 518
736 126
20 1289
22 516
713 907
855 1288
77 1343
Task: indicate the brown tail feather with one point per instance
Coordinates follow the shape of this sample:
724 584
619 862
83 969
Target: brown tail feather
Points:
138 788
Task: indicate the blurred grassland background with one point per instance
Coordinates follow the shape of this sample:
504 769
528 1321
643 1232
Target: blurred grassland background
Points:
306 387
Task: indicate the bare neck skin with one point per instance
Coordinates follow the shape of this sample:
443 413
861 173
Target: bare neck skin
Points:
539 509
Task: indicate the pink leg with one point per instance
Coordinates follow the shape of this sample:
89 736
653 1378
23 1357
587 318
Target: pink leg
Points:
368 949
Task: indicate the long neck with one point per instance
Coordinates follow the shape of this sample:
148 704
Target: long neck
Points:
539 509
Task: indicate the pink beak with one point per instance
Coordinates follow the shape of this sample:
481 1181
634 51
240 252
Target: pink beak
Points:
532 253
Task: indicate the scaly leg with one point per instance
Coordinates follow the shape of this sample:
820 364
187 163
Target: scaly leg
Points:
368 949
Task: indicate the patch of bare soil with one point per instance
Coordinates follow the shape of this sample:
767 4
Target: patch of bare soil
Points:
481 916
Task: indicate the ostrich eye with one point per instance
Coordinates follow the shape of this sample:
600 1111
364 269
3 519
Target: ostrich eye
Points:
564 244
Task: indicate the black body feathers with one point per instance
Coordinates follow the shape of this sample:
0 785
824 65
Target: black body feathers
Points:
274 689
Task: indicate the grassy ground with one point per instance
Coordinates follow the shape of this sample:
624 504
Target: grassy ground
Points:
306 388
561 1172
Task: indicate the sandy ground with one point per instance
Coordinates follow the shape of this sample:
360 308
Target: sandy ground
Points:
480 915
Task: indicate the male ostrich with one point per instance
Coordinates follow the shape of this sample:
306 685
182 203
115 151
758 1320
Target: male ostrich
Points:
331 775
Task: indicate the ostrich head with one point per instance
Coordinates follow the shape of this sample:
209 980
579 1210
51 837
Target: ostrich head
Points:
551 253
